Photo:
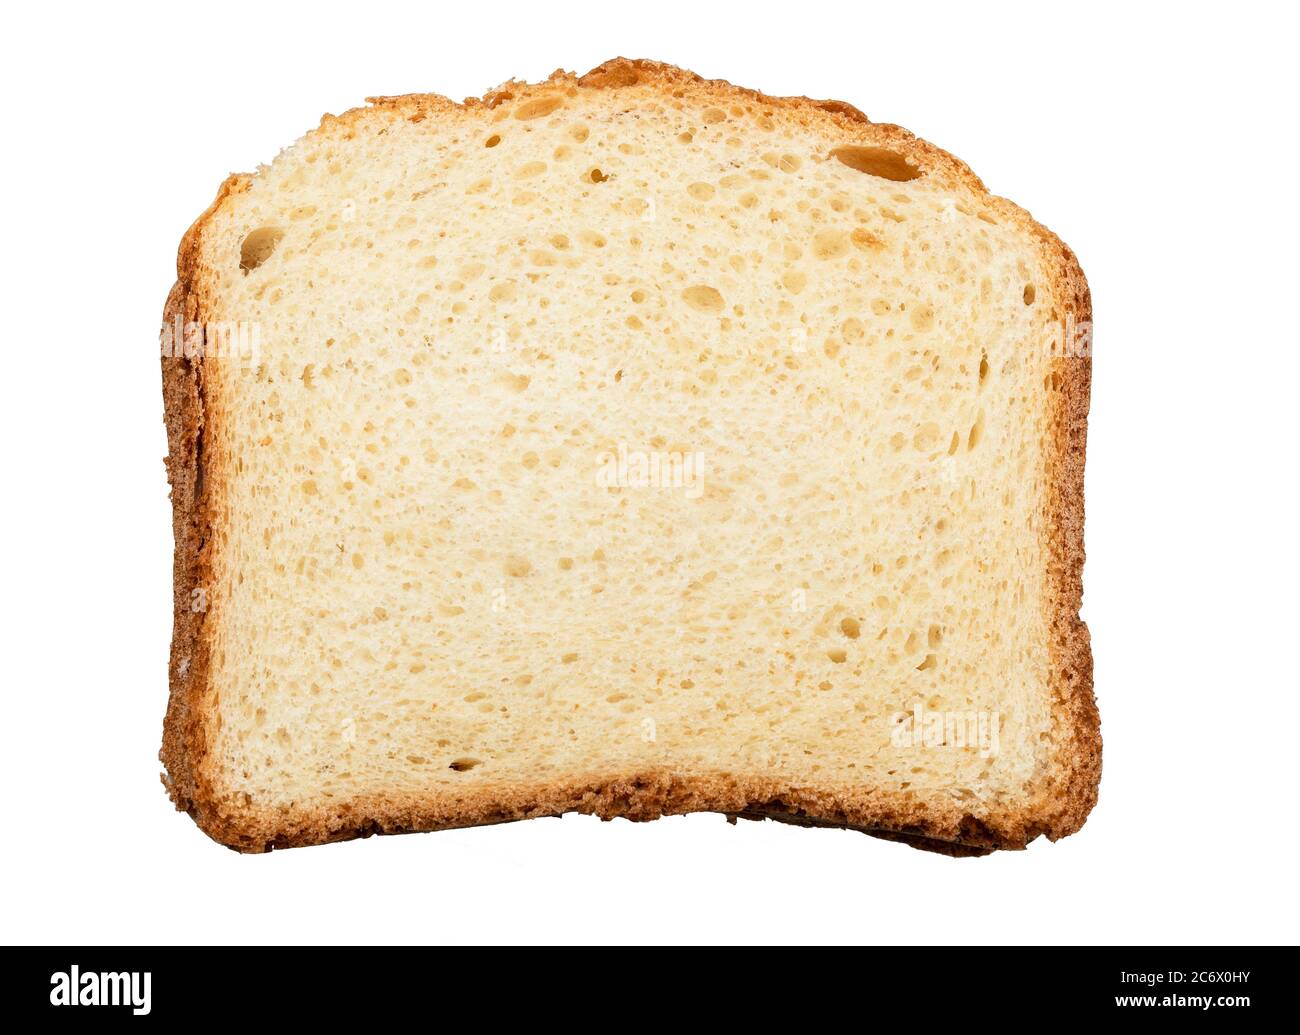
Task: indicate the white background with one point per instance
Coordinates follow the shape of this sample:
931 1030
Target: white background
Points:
1159 141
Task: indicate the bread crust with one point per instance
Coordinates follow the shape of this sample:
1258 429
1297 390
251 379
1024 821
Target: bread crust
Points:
1070 792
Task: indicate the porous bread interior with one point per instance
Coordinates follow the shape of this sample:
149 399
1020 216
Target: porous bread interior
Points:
417 584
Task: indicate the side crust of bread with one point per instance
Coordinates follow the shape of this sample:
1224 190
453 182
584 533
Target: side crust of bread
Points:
644 795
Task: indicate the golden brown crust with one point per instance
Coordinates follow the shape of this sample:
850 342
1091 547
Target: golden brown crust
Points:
185 415
640 796
1072 797
1072 789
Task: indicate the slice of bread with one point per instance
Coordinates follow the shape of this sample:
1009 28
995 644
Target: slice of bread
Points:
630 444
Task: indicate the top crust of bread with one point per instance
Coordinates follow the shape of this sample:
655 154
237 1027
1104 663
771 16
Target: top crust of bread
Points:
1064 802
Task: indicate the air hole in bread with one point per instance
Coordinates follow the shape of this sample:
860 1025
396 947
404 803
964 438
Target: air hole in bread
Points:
537 107
258 246
877 161
464 765
517 567
704 298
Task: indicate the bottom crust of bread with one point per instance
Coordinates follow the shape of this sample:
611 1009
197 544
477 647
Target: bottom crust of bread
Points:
641 797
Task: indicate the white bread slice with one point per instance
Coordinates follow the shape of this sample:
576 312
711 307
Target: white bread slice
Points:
428 574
